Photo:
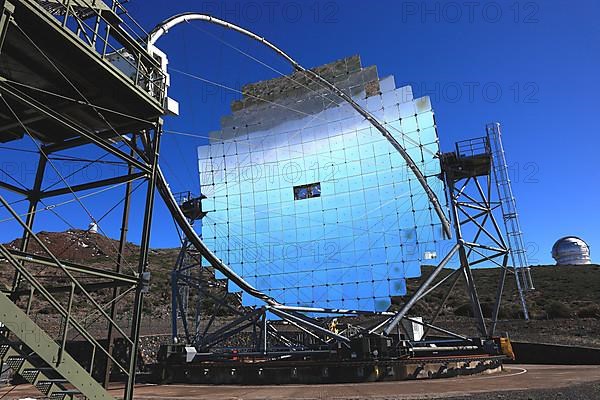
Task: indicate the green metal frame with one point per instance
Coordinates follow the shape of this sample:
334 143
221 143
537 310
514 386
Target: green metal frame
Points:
22 336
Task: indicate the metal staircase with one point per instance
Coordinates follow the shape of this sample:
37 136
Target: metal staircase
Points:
41 361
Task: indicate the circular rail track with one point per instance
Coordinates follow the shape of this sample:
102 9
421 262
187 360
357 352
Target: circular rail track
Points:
513 378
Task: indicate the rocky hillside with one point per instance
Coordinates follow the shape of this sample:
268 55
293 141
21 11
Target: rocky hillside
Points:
78 246
560 292
564 307
567 293
98 251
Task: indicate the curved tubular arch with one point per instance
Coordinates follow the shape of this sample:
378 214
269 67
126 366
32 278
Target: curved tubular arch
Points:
190 233
164 27
163 186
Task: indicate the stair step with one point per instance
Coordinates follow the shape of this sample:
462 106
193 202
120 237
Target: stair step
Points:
44 386
35 376
63 394
15 362
41 349
4 347
30 374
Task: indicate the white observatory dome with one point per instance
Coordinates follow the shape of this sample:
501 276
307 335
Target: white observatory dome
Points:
571 250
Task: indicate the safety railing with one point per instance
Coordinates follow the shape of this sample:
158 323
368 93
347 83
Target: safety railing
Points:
473 147
60 305
115 36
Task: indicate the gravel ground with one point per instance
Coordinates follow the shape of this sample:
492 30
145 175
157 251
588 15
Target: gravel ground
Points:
578 392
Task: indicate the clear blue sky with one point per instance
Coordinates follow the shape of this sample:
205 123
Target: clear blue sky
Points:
533 66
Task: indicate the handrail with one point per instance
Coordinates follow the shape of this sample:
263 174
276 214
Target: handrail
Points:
147 72
55 304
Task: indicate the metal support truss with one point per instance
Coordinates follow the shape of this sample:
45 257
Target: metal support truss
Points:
32 290
479 238
118 269
152 145
188 281
55 106
190 286
420 292
187 284
75 280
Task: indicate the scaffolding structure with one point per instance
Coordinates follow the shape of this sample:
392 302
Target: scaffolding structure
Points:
75 80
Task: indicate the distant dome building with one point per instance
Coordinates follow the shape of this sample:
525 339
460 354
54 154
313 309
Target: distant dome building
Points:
571 250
